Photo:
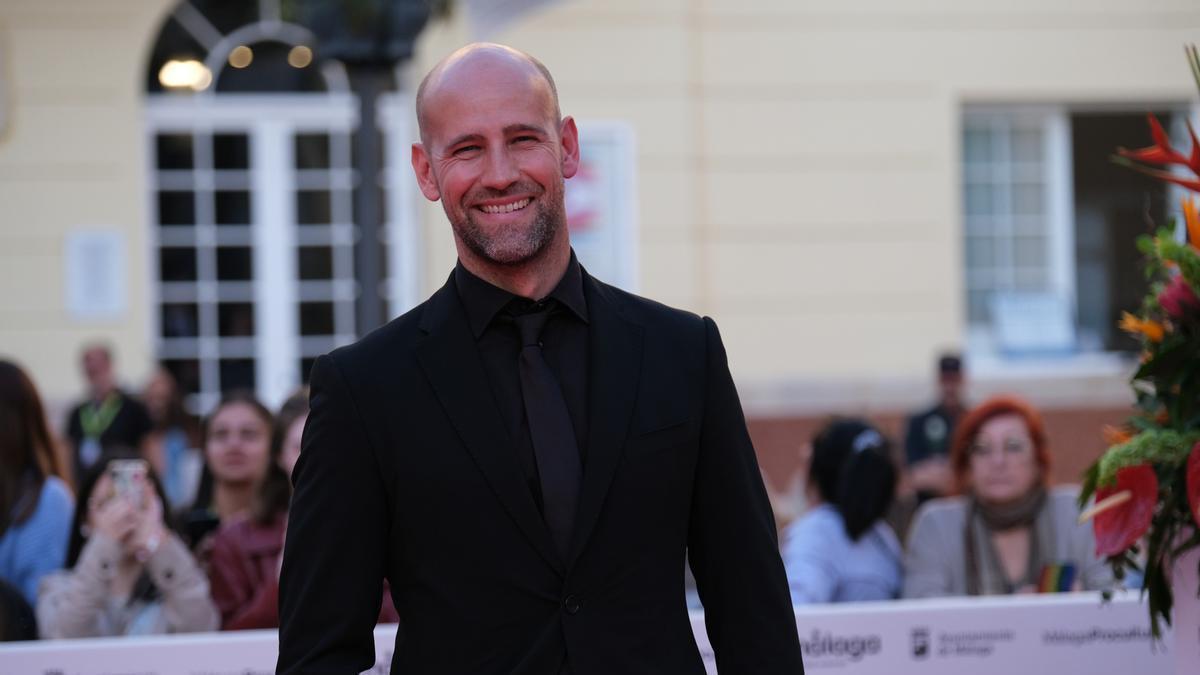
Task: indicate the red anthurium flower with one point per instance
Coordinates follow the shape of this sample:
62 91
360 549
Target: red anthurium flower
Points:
1178 299
1117 528
1193 483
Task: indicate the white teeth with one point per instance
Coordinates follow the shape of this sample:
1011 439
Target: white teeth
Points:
506 208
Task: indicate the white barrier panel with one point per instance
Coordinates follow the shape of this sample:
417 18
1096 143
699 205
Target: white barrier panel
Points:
1024 635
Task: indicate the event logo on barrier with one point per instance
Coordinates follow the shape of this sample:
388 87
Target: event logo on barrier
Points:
920 643
1075 637
827 649
972 644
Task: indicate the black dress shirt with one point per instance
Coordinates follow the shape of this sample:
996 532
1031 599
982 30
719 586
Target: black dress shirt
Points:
564 346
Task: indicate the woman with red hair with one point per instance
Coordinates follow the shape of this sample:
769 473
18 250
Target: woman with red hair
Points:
1006 531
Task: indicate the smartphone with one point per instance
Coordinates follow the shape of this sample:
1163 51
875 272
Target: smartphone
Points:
129 479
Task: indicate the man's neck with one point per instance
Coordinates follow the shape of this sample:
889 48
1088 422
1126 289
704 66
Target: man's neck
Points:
534 279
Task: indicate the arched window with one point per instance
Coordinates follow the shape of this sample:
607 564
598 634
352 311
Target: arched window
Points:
252 200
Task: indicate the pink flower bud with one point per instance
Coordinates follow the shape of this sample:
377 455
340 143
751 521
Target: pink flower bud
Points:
1178 299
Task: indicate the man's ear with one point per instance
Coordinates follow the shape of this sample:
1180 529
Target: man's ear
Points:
424 172
569 136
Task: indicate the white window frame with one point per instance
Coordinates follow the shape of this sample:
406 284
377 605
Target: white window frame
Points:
986 361
1181 141
613 253
402 232
271 121
1055 124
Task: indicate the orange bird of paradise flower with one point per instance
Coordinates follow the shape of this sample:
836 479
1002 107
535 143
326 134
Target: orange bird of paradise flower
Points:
1192 218
1116 435
1153 330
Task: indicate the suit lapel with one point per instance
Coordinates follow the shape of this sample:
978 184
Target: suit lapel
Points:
616 364
450 359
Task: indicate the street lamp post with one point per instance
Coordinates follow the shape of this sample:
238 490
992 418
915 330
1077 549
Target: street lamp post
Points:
369 37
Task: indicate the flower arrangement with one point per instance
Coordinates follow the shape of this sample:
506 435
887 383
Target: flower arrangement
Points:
1147 484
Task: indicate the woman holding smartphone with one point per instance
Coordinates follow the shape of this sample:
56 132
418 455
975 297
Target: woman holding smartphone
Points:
127 572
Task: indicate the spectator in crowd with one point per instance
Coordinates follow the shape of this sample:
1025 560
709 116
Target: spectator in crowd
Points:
172 446
16 615
237 459
107 418
35 502
128 573
294 414
927 440
841 550
244 568
1006 532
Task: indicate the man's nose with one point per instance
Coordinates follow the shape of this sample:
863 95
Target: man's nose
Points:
500 169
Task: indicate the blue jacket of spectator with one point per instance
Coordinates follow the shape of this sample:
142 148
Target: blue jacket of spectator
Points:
38 546
824 565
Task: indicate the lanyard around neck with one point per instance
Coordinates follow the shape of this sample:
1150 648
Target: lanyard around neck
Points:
96 420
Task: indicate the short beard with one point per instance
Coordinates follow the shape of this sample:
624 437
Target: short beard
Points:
512 247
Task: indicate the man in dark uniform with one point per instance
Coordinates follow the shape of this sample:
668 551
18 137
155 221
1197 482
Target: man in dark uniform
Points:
927 441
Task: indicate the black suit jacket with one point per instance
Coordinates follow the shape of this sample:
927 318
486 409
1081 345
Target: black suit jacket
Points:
407 474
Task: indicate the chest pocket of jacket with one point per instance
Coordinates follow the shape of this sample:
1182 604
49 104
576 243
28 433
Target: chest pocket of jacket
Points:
662 418
657 433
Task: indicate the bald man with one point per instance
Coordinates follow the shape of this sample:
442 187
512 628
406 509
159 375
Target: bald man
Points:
528 455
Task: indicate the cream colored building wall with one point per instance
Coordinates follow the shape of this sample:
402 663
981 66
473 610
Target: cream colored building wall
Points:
798 163
71 156
797 160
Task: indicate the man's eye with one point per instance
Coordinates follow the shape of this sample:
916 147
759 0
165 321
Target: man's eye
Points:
466 150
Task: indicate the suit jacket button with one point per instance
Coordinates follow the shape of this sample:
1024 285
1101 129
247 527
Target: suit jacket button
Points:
572 604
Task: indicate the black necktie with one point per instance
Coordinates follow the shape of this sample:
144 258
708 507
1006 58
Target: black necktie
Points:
550 430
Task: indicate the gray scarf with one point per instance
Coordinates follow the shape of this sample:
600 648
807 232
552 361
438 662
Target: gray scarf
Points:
985 574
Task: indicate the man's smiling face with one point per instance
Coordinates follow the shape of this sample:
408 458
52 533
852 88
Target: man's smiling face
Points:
495 153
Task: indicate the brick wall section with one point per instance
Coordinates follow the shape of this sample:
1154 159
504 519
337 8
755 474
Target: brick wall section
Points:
1074 434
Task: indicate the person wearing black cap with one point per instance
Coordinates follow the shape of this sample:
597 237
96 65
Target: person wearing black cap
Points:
927 441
